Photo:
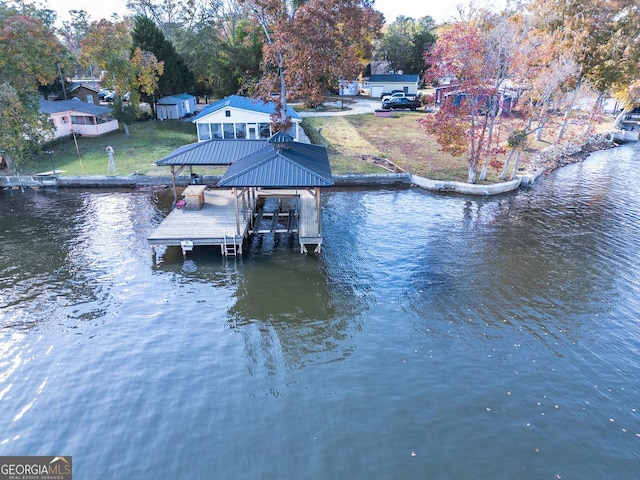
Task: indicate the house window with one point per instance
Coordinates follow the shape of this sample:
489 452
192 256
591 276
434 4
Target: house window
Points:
228 130
82 120
241 130
265 130
227 113
90 99
203 131
216 130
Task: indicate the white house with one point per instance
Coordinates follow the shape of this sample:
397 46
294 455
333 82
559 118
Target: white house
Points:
176 106
379 84
76 116
240 117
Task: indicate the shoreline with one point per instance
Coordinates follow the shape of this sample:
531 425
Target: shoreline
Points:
546 161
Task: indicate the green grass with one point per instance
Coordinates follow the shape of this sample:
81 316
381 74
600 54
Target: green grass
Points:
356 144
148 142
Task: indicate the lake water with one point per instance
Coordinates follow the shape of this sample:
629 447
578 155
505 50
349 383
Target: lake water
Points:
435 337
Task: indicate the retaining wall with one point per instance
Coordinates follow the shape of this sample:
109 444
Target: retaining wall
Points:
136 181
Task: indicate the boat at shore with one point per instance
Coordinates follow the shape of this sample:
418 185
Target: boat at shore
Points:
627 126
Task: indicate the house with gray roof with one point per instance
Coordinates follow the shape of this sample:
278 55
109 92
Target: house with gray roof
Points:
237 117
76 116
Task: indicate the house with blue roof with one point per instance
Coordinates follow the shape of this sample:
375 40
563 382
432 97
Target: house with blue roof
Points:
237 117
79 117
175 107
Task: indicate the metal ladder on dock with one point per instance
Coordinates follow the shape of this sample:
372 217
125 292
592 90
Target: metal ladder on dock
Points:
230 248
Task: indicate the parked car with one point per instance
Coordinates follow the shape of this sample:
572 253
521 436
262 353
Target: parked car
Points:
103 93
110 97
386 95
410 96
400 103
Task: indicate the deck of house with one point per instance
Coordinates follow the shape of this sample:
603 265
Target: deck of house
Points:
228 217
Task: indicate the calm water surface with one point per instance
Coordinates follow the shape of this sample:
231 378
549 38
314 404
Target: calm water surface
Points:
435 337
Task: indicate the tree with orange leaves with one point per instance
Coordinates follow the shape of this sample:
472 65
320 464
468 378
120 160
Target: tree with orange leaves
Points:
310 46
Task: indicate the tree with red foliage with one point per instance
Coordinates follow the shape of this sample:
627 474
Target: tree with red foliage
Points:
310 45
466 120
464 124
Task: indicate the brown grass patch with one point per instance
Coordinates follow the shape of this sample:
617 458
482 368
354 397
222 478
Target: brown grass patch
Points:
357 140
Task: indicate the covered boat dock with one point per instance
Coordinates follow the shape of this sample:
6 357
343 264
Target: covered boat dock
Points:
228 213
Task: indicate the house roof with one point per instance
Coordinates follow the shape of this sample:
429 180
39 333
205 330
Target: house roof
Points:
213 152
75 104
77 85
281 164
392 78
244 103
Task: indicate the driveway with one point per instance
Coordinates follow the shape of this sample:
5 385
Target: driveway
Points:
353 106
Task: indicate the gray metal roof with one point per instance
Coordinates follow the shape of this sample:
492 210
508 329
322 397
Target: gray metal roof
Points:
281 165
213 152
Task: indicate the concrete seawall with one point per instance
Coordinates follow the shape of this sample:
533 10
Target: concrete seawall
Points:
140 181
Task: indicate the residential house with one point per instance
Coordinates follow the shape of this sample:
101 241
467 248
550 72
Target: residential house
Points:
379 84
508 96
85 92
237 117
175 107
76 116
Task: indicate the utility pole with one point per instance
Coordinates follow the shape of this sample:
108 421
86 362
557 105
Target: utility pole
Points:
64 92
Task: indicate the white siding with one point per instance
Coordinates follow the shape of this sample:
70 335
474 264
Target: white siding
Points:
242 120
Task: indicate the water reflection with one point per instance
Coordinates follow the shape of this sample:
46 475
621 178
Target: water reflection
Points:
455 319
282 303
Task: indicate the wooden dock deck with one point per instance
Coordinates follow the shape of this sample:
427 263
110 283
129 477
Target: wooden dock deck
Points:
216 223
225 221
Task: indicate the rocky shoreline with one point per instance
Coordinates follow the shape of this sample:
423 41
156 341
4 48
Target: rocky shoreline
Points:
556 156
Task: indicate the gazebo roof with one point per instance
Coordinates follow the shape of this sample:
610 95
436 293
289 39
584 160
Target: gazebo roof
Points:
213 152
279 162
282 164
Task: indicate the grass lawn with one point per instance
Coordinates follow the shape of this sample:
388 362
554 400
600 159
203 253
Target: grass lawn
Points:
149 142
355 144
